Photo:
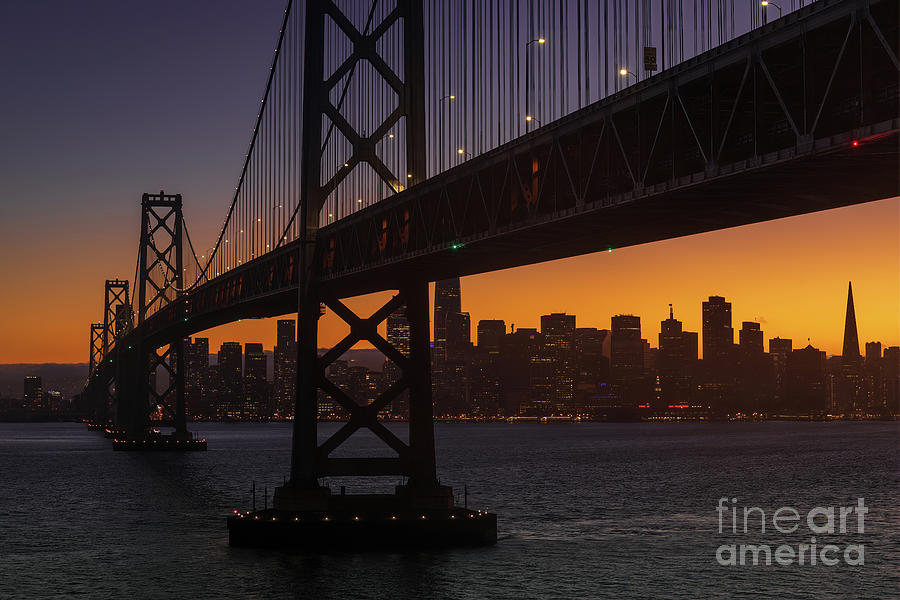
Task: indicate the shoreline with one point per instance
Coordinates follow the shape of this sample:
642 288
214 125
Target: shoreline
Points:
532 420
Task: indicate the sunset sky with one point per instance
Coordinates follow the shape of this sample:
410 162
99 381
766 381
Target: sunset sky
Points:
790 275
96 112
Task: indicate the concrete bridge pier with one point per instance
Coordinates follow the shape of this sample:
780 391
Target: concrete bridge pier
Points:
421 512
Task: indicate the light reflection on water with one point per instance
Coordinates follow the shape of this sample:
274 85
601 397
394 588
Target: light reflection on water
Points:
586 510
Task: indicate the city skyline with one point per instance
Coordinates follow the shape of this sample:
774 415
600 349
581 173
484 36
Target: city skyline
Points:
754 331
556 370
789 302
478 291
561 369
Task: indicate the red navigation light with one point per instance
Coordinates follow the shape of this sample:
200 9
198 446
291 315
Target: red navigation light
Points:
854 143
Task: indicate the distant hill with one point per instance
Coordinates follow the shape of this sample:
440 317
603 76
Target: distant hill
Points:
65 378
367 357
69 378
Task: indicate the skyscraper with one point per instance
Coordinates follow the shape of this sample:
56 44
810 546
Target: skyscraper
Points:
755 374
718 368
256 384
523 373
891 378
456 393
779 350
558 330
806 380
490 335
591 366
779 345
627 364
718 334
750 338
285 367
230 366
873 352
398 330
451 340
627 347
446 301
483 373
850 387
851 339
398 337
34 393
53 401
459 335
677 360
338 373
196 380
872 373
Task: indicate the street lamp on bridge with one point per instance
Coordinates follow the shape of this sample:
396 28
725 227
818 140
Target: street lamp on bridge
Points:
624 72
765 4
539 40
448 98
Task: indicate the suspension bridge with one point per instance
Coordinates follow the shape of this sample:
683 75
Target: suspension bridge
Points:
402 142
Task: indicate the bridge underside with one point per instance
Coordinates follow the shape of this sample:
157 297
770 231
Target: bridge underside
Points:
849 176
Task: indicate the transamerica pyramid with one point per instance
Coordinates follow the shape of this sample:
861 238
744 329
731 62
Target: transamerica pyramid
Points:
851 340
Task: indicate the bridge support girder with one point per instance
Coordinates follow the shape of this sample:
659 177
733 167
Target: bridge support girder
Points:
105 338
415 460
93 396
160 283
116 312
311 461
96 347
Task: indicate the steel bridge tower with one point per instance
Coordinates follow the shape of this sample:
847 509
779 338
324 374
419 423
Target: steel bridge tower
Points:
311 461
160 284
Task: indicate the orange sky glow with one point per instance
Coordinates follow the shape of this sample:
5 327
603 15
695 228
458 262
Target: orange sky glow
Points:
791 275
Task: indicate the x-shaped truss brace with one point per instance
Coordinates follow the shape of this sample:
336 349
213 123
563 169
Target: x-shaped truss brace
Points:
363 415
364 48
116 294
96 346
158 360
162 258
